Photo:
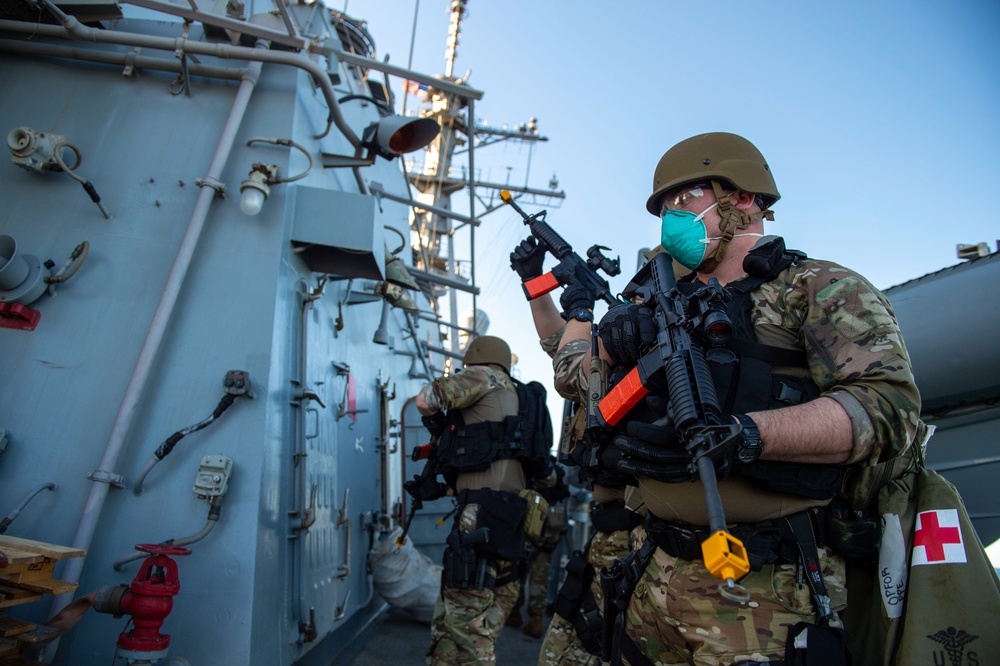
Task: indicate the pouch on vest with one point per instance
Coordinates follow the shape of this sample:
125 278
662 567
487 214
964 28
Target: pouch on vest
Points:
850 532
473 448
802 480
816 645
503 514
537 512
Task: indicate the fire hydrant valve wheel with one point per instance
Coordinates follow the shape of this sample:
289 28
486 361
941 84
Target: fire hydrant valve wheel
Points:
158 549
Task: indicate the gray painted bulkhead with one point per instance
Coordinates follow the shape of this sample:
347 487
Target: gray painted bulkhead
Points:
246 586
949 320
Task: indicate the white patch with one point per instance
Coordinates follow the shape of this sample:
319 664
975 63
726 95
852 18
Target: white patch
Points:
892 566
937 538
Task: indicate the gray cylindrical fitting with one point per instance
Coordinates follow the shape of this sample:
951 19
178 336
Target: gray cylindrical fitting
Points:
13 267
109 599
21 141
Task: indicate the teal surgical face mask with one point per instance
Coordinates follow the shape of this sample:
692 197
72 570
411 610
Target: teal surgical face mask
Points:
684 237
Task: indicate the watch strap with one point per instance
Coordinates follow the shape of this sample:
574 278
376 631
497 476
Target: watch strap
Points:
752 445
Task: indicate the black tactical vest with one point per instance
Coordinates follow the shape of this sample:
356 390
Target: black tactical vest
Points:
473 448
744 379
525 436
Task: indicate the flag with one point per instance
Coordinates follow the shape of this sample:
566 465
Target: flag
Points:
938 538
414 88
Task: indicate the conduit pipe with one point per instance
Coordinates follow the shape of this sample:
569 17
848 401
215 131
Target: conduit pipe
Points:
296 42
420 353
9 518
119 59
471 110
73 29
213 520
104 475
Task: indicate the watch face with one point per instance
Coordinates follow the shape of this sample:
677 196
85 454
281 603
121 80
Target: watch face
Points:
583 314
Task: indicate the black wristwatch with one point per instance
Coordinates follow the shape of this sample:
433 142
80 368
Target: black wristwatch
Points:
751 447
580 314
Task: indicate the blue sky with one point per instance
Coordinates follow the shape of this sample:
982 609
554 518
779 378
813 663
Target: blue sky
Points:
879 120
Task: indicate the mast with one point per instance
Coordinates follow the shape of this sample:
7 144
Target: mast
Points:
454 30
436 183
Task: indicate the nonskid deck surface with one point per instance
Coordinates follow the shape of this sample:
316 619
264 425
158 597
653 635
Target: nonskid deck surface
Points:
398 639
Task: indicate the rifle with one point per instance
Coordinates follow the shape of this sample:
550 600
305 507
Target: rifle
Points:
422 487
680 363
597 388
571 269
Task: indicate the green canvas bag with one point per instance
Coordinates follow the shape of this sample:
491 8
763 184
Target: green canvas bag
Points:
934 598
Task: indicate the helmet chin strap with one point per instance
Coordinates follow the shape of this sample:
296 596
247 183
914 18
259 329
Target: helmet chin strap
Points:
733 220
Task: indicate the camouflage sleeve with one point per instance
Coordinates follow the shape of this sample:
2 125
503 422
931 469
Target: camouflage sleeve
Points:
462 389
567 366
551 343
856 356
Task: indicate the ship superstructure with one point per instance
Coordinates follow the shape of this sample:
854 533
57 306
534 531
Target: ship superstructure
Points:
213 322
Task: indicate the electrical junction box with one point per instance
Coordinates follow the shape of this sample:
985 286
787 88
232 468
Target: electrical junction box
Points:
213 476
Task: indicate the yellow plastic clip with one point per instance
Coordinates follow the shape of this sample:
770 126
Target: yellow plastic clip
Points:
400 541
505 195
725 556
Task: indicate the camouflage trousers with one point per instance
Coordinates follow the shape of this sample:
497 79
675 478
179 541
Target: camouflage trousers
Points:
541 563
677 616
467 622
562 646
538 583
507 596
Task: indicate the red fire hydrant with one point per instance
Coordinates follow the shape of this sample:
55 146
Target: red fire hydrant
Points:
149 600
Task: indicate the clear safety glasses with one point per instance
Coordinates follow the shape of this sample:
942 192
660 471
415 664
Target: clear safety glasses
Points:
677 200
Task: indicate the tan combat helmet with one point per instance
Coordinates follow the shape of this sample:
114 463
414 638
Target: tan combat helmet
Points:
488 349
713 156
724 160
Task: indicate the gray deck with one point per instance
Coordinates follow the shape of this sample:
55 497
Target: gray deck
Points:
398 639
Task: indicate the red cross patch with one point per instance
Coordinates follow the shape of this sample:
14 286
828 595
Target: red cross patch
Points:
938 538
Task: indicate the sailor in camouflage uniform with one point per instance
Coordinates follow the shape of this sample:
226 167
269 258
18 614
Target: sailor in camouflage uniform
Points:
821 386
470 611
540 564
565 337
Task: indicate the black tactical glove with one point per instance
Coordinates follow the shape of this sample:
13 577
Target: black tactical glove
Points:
626 330
425 489
435 423
653 451
608 458
607 468
574 297
527 259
